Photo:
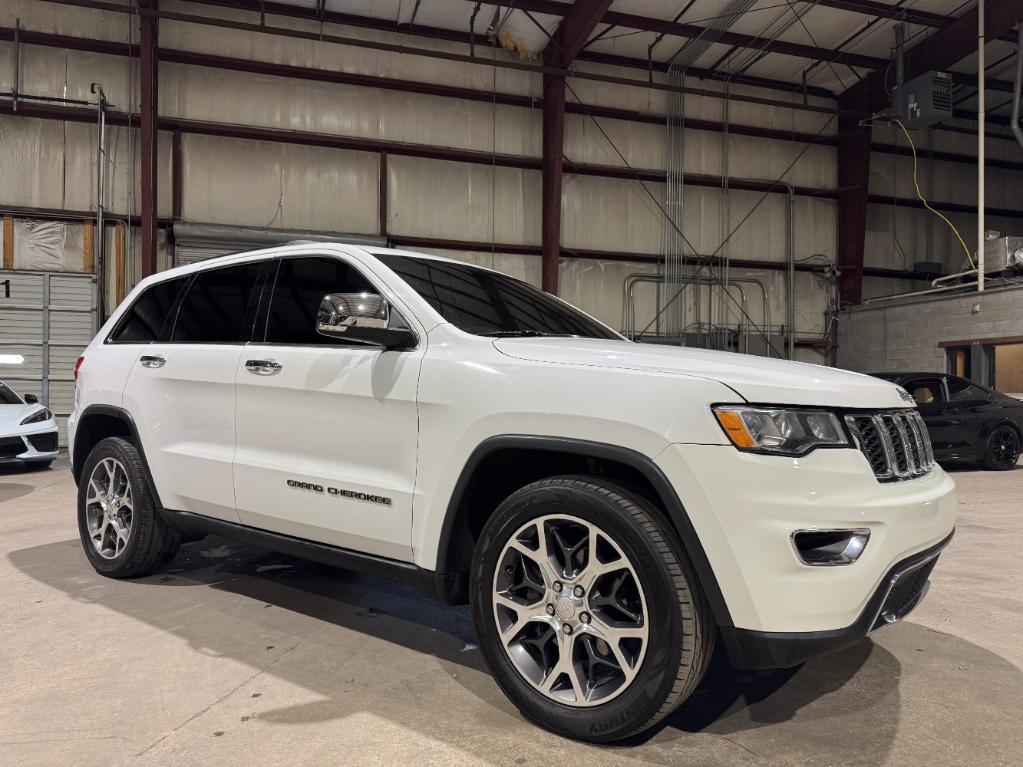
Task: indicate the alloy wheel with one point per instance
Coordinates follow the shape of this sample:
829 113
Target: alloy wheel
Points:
1005 447
570 610
109 508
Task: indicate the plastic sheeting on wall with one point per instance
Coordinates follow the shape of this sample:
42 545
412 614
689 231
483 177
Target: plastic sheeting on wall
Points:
47 245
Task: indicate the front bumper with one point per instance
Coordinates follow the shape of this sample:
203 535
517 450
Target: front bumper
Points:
744 508
35 446
900 591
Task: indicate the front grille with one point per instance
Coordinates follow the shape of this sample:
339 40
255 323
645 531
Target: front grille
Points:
905 594
894 442
44 443
11 446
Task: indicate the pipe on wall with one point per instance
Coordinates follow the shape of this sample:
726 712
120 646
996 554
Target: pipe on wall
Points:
790 298
99 262
1017 94
981 115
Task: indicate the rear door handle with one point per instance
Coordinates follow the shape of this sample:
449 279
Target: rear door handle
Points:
263 367
152 361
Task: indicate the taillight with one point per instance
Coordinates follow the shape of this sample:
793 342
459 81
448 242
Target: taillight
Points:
78 366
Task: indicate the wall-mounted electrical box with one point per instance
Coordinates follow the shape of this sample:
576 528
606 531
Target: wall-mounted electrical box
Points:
923 101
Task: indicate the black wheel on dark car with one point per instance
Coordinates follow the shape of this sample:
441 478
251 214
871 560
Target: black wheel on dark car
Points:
587 611
121 530
1003 449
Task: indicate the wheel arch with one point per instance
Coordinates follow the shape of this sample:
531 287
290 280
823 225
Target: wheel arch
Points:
96 423
536 457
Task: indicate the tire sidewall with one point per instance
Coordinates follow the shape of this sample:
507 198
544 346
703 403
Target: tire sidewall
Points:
640 702
142 508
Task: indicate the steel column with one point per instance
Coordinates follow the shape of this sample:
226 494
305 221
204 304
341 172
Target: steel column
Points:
565 44
148 77
553 143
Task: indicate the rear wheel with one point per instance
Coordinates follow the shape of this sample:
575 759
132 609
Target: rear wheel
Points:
1003 449
587 611
121 530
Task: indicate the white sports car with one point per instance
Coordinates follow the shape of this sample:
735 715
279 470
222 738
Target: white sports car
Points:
28 432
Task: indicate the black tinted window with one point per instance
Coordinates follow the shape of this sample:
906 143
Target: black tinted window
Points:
488 303
961 390
219 306
301 285
8 397
149 316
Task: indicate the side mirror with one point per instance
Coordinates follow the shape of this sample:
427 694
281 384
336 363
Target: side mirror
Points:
363 318
31 399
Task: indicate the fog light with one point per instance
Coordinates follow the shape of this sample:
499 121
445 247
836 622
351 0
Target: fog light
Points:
829 547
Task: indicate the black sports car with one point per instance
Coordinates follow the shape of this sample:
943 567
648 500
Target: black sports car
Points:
967 421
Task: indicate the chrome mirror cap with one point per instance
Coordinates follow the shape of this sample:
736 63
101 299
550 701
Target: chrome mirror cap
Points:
340 312
363 318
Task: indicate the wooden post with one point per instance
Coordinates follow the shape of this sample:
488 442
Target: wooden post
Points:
8 242
119 274
89 258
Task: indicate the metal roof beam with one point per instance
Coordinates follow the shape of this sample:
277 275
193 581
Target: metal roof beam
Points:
574 30
885 11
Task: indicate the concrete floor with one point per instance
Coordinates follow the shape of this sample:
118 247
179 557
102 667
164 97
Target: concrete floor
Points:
236 655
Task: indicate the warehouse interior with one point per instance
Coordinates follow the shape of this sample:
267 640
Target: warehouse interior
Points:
750 176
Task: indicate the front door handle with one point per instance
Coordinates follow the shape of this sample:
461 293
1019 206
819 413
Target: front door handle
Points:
263 367
152 361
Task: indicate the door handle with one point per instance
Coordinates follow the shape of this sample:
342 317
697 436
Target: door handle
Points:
152 361
263 367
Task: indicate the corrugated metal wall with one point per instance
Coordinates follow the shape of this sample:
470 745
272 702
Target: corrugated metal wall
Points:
263 184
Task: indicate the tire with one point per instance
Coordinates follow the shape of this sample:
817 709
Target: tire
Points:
1002 451
38 465
148 541
661 589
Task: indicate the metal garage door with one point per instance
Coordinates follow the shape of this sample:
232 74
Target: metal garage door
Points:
196 242
47 318
189 254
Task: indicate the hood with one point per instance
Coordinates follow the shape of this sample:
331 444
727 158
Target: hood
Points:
756 379
11 416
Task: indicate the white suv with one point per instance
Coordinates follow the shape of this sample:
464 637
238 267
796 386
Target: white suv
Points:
608 508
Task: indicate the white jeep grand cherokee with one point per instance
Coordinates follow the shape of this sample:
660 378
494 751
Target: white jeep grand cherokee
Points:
609 509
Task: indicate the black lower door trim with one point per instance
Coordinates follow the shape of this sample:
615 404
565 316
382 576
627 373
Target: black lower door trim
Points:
428 582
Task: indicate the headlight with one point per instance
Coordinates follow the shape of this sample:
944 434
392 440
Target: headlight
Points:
42 415
780 431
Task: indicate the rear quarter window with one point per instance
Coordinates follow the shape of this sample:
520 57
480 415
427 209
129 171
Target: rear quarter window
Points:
149 318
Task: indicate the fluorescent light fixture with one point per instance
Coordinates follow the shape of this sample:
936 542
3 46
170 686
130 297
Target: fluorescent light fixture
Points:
11 359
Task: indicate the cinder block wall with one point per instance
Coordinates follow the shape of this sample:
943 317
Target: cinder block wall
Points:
905 334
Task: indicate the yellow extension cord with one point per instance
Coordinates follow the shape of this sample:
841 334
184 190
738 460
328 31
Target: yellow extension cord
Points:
912 146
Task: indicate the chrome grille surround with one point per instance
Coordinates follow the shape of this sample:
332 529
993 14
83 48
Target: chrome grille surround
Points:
895 443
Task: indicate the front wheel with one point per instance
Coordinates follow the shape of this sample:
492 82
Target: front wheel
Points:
588 613
1002 450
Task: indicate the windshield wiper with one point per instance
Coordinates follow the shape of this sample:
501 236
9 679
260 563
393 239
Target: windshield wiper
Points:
523 334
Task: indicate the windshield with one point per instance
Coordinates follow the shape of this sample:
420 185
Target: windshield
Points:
7 396
488 303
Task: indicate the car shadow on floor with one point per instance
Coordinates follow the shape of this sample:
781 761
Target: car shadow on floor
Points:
858 689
